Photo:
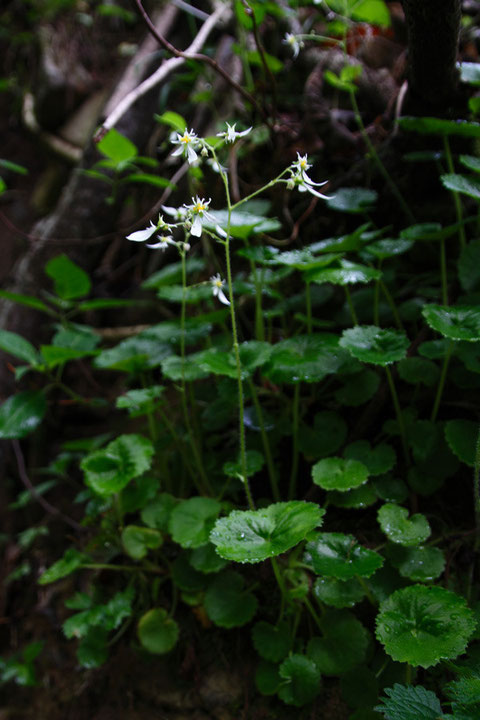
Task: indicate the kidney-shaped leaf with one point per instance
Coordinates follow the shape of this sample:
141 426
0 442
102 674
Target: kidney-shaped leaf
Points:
109 470
371 344
227 604
254 535
424 624
399 529
341 556
456 323
462 436
305 358
157 632
461 183
336 473
191 521
302 680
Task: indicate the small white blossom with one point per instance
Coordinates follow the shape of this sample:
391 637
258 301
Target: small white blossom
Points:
231 134
163 242
142 235
301 180
215 165
294 43
186 144
220 231
179 214
217 285
198 212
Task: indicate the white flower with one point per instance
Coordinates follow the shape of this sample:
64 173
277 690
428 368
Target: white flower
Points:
294 43
142 235
186 144
231 134
301 180
197 213
217 285
163 241
215 165
179 214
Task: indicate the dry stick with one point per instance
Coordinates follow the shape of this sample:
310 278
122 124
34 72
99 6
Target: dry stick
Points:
168 66
22 471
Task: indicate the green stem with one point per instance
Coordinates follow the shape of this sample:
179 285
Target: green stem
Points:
308 299
351 305
398 413
393 307
266 445
236 350
476 490
295 421
375 157
312 612
441 383
283 593
367 590
456 195
186 416
443 271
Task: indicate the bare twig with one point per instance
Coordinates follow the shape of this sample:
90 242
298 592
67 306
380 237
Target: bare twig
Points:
168 66
22 471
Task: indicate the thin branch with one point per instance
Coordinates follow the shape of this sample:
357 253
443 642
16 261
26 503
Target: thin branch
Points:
22 471
168 66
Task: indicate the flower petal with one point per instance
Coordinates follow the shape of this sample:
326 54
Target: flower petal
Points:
142 235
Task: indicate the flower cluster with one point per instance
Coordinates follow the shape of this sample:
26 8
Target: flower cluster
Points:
300 179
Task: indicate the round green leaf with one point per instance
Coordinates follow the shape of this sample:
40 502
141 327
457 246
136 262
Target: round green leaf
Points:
205 559
371 344
387 247
191 521
304 358
378 460
174 368
109 470
360 497
418 370
420 564
353 200
272 642
254 462
325 437
339 474
340 556
424 624
348 273
343 645
302 680
157 632
390 489
187 578
399 529
456 323
358 388
267 679
338 593
359 687
227 604
254 535
137 540
21 414
461 436
157 513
